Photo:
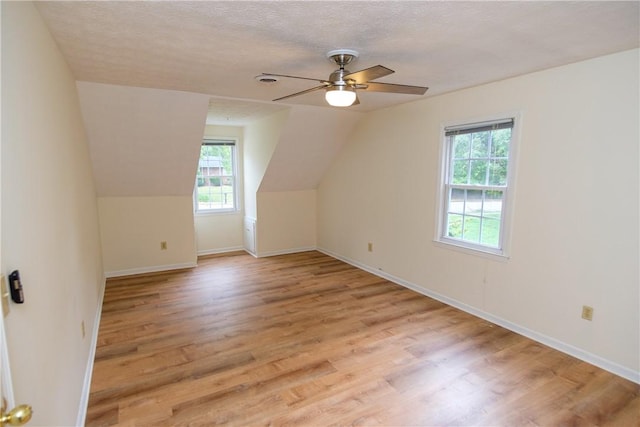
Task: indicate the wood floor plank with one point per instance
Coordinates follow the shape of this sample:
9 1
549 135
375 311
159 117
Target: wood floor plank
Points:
307 340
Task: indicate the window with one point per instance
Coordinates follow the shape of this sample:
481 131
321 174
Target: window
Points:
477 169
216 177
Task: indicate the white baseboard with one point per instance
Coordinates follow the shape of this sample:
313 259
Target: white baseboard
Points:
255 255
220 250
284 252
153 269
86 387
569 349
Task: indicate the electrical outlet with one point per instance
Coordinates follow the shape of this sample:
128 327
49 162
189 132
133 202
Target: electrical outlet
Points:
370 247
82 327
587 312
163 246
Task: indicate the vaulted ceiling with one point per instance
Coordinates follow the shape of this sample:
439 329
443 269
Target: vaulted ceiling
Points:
217 48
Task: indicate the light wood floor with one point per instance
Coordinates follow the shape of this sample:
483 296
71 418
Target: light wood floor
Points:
305 339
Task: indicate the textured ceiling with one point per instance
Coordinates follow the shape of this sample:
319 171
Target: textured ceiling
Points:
218 47
233 112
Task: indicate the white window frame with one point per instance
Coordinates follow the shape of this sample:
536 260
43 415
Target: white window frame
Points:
234 154
502 252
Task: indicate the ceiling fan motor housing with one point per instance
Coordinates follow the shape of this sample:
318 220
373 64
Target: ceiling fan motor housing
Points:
342 57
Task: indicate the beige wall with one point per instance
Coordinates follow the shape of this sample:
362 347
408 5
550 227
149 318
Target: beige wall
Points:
133 227
287 222
49 222
218 233
575 231
260 141
223 232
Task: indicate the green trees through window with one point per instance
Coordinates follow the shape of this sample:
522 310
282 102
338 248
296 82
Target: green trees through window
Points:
477 160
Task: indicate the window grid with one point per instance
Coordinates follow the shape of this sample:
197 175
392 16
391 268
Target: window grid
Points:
476 184
475 221
215 189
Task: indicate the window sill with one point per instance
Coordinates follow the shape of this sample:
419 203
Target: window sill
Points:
461 247
217 212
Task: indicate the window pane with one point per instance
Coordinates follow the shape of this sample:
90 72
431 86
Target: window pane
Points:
473 206
208 197
461 146
454 226
493 205
456 201
478 172
226 201
471 230
480 145
498 172
490 232
460 171
500 143
494 196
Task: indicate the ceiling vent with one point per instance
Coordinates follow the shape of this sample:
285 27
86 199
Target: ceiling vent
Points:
266 78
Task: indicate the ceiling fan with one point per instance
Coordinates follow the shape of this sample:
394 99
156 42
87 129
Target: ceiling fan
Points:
342 84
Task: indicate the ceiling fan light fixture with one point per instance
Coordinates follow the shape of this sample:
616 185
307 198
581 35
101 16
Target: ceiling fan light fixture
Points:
340 96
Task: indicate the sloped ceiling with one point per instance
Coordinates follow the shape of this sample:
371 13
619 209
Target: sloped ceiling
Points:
312 136
214 49
142 142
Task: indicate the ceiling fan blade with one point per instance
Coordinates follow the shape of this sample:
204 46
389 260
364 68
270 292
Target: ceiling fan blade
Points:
393 88
367 74
295 77
313 89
